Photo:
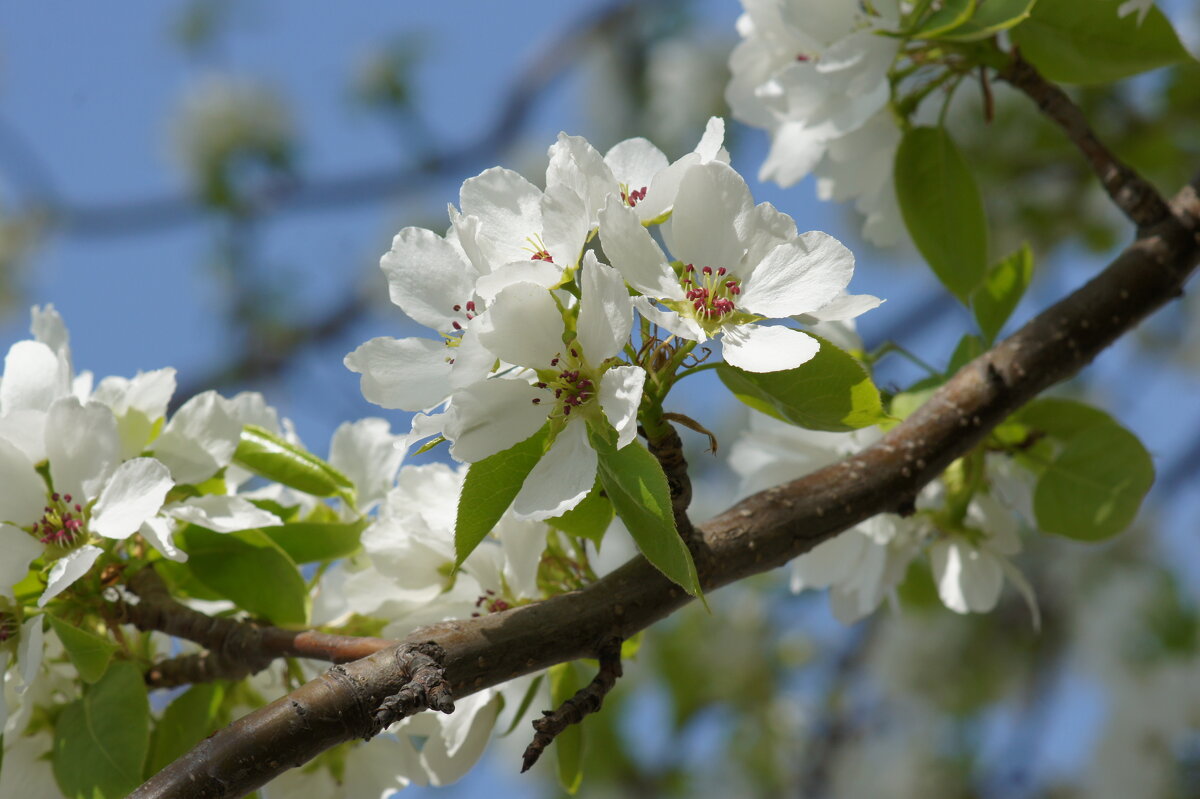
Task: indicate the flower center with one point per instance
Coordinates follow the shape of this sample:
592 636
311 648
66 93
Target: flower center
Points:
632 198
61 524
572 386
490 603
8 627
469 313
712 293
538 249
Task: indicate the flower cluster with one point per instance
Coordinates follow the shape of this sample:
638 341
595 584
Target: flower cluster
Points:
968 556
537 333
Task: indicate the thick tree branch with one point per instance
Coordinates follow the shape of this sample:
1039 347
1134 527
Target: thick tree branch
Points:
1132 193
758 534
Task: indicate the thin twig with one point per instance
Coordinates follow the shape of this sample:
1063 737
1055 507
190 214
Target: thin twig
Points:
1132 193
586 700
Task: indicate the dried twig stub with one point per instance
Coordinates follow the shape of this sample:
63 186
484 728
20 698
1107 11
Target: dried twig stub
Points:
586 700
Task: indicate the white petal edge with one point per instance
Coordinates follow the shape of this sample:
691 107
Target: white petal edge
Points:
67 570
620 396
523 326
757 348
158 531
409 374
223 514
132 495
561 479
19 548
605 312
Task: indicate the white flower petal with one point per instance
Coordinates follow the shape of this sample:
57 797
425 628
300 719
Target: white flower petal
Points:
200 438
577 167
542 273
47 326
605 312
829 562
22 492
83 446
223 513
411 374
134 493
757 348
19 548
26 430
523 326
491 416
635 162
968 579
635 254
841 308
67 570
446 757
561 479
34 376
795 151
711 209
670 321
798 277
158 531
366 452
30 649
620 396
509 210
427 276
565 225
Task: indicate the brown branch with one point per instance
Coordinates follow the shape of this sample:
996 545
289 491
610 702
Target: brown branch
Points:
667 447
587 699
347 702
1132 193
236 648
760 533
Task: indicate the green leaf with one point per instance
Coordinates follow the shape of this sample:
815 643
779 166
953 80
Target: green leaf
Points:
991 17
1093 489
968 349
100 741
490 487
1086 43
248 568
1062 419
189 719
309 542
949 17
1002 288
589 519
830 392
942 208
89 652
637 488
568 745
268 455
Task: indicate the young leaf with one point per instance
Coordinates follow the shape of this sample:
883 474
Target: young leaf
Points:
1086 43
830 392
310 542
951 15
189 719
268 455
248 568
637 488
996 298
989 19
100 741
1093 489
90 653
589 519
568 744
1062 419
490 487
942 208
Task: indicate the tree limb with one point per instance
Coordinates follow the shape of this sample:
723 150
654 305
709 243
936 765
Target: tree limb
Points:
1132 193
760 533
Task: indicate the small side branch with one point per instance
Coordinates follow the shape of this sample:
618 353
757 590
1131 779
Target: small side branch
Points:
427 688
1132 193
667 447
236 648
586 700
